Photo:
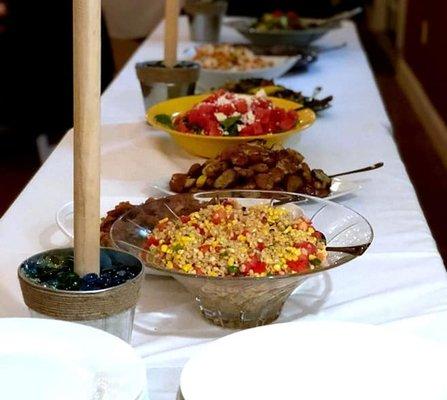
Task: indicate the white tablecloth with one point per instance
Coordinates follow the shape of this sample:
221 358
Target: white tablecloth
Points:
400 277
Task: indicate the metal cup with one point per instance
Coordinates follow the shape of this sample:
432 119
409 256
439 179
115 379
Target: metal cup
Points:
205 19
159 83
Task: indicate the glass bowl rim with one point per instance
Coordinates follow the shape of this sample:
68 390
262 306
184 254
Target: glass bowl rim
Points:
175 273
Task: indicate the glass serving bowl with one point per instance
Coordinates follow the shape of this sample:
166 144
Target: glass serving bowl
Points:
244 302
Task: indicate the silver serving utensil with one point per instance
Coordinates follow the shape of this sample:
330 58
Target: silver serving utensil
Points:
335 18
354 171
357 250
171 211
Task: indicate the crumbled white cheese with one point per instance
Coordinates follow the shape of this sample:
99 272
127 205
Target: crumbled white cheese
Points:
220 116
222 100
248 118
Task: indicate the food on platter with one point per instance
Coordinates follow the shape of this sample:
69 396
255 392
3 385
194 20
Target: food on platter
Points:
225 239
254 165
270 88
225 113
279 20
111 216
147 213
229 57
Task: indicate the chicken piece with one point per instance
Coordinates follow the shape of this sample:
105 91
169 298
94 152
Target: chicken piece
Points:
239 159
277 174
200 182
305 172
259 167
244 172
264 181
195 170
320 176
294 183
214 168
189 183
288 165
225 179
177 182
295 156
250 185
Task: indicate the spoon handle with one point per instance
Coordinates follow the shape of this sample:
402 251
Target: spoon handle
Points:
354 250
370 168
341 16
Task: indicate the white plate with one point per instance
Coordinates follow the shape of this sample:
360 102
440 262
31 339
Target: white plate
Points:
214 78
317 361
64 216
53 360
339 187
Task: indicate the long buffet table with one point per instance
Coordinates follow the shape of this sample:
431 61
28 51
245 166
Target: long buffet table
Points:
400 281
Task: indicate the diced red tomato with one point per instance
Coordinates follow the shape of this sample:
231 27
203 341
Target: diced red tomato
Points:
152 241
181 125
256 265
218 217
309 247
260 246
212 128
241 106
204 248
185 218
300 265
226 109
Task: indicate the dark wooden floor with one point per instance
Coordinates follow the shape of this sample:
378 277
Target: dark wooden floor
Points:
18 161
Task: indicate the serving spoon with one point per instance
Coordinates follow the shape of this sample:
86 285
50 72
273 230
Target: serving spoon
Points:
354 171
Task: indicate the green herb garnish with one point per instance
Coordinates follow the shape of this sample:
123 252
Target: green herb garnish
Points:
177 247
230 125
315 261
232 269
164 119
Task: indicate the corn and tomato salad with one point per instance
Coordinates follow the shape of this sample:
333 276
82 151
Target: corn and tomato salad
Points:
229 240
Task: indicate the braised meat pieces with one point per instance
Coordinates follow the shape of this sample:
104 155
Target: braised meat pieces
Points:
254 166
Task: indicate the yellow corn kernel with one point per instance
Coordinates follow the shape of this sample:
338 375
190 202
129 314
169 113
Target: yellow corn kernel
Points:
241 238
164 248
312 257
277 267
311 230
169 265
288 229
230 261
187 267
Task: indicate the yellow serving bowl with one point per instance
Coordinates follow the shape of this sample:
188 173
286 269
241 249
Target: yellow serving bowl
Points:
211 146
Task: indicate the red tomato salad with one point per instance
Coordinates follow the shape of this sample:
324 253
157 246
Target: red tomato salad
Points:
225 113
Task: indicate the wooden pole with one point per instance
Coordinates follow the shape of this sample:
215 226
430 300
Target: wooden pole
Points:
172 10
87 79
